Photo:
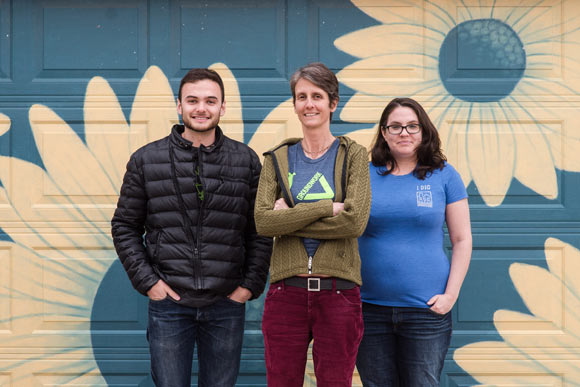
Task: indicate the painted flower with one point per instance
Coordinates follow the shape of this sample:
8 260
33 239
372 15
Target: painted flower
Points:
538 348
496 77
58 219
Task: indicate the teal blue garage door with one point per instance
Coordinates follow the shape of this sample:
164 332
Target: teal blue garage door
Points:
84 83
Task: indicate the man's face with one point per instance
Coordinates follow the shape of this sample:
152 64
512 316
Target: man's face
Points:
201 105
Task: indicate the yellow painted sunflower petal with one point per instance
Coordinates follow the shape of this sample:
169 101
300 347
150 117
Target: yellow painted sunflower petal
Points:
564 139
364 108
544 301
499 364
534 164
380 40
490 156
154 109
364 137
389 13
232 122
58 144
496 363
564 261
44 202
24 197
4 123
106 130
35 319
395 74
281 123
452 136
526 331
542 347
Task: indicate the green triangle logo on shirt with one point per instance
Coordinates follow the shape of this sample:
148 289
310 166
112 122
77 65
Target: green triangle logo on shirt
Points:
304 195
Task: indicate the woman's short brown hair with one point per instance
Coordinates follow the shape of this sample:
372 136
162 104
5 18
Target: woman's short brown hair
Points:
321 76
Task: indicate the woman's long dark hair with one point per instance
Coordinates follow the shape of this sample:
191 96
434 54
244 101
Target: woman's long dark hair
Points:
429 154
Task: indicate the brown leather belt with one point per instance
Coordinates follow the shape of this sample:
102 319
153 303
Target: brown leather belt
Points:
315 284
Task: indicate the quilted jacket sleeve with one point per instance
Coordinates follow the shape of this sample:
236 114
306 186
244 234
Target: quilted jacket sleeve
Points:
128 228
258 248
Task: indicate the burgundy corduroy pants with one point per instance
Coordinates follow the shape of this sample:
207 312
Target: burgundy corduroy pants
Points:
293 317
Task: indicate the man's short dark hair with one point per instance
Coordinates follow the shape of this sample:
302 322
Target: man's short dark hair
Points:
195 75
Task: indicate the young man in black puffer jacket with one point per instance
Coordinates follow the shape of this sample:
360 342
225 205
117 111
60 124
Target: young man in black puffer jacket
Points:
184 231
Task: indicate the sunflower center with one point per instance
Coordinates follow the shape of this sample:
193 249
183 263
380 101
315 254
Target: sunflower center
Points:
481 60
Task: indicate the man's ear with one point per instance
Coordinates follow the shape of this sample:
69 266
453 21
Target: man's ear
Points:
223 109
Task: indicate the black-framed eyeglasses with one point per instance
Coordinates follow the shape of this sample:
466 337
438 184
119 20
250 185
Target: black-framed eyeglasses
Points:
398 129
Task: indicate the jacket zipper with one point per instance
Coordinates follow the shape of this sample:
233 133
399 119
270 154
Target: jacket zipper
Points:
196 258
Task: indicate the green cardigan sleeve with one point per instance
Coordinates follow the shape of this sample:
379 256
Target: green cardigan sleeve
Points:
283 222
352 221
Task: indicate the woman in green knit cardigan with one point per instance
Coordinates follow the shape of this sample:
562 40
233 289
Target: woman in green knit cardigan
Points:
314 198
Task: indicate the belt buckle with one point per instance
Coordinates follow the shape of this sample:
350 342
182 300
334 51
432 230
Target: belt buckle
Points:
313 284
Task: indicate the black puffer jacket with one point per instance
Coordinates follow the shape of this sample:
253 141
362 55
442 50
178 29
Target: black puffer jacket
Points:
203 248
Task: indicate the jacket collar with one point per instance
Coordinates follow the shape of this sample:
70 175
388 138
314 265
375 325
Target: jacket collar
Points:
176 138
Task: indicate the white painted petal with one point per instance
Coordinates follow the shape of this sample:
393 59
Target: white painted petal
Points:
232 122
154 109
106 131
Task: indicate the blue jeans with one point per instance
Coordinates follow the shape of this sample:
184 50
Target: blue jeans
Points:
174 330
402 346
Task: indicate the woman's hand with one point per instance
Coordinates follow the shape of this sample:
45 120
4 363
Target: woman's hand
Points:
441 303
280 204
337 208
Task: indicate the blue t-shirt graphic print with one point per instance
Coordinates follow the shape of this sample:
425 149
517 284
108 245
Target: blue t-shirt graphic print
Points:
311 180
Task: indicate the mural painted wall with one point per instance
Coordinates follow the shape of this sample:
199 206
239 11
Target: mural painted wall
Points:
85 83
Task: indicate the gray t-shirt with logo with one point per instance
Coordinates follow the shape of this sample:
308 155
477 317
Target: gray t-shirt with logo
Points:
311 180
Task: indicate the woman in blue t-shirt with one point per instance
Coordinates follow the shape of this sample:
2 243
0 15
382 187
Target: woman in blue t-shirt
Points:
409 287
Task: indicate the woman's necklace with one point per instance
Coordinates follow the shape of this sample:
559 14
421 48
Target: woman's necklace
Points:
318 151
